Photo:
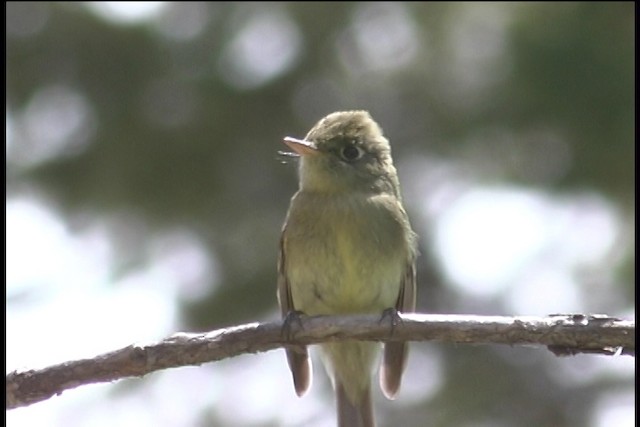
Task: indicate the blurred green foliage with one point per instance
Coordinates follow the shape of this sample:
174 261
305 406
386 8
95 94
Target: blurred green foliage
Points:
185 114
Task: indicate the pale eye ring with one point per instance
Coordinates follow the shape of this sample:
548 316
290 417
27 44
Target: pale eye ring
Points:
351 153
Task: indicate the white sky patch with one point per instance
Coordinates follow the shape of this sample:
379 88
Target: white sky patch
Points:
423 378
525 245
57 121
382 37
58 290
127 12
265 46
41 253
587 369
61 306
180 261
544 289
265 389
615 409
485 236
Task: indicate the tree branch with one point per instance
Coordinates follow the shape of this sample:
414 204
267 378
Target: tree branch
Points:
562 334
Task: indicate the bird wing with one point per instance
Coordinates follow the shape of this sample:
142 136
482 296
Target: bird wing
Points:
395 353
297 356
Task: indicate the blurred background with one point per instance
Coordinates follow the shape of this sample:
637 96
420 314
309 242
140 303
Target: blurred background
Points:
145 195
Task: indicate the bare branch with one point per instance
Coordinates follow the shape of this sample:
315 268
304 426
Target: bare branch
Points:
563 334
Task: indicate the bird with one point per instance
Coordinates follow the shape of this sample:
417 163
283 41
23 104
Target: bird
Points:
347 247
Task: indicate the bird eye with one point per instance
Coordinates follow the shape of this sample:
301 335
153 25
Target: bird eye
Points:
351 153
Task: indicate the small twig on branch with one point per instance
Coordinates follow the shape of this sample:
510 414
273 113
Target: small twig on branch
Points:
562 334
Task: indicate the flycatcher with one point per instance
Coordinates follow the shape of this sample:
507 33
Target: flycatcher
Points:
347 248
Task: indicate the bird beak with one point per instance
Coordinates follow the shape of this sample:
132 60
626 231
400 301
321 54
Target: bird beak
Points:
300 146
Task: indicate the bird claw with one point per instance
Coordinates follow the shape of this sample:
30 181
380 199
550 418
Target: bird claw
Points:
393 315
294 316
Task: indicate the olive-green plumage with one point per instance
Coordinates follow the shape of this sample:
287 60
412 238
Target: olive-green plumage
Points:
347 247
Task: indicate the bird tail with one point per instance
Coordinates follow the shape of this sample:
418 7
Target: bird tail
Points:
358 414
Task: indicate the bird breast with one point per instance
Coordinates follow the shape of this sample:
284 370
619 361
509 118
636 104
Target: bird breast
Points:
345 254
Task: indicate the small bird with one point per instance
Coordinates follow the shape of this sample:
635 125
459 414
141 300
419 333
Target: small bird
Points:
347 248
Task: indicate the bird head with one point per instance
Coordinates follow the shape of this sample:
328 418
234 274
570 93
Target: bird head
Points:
345 151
